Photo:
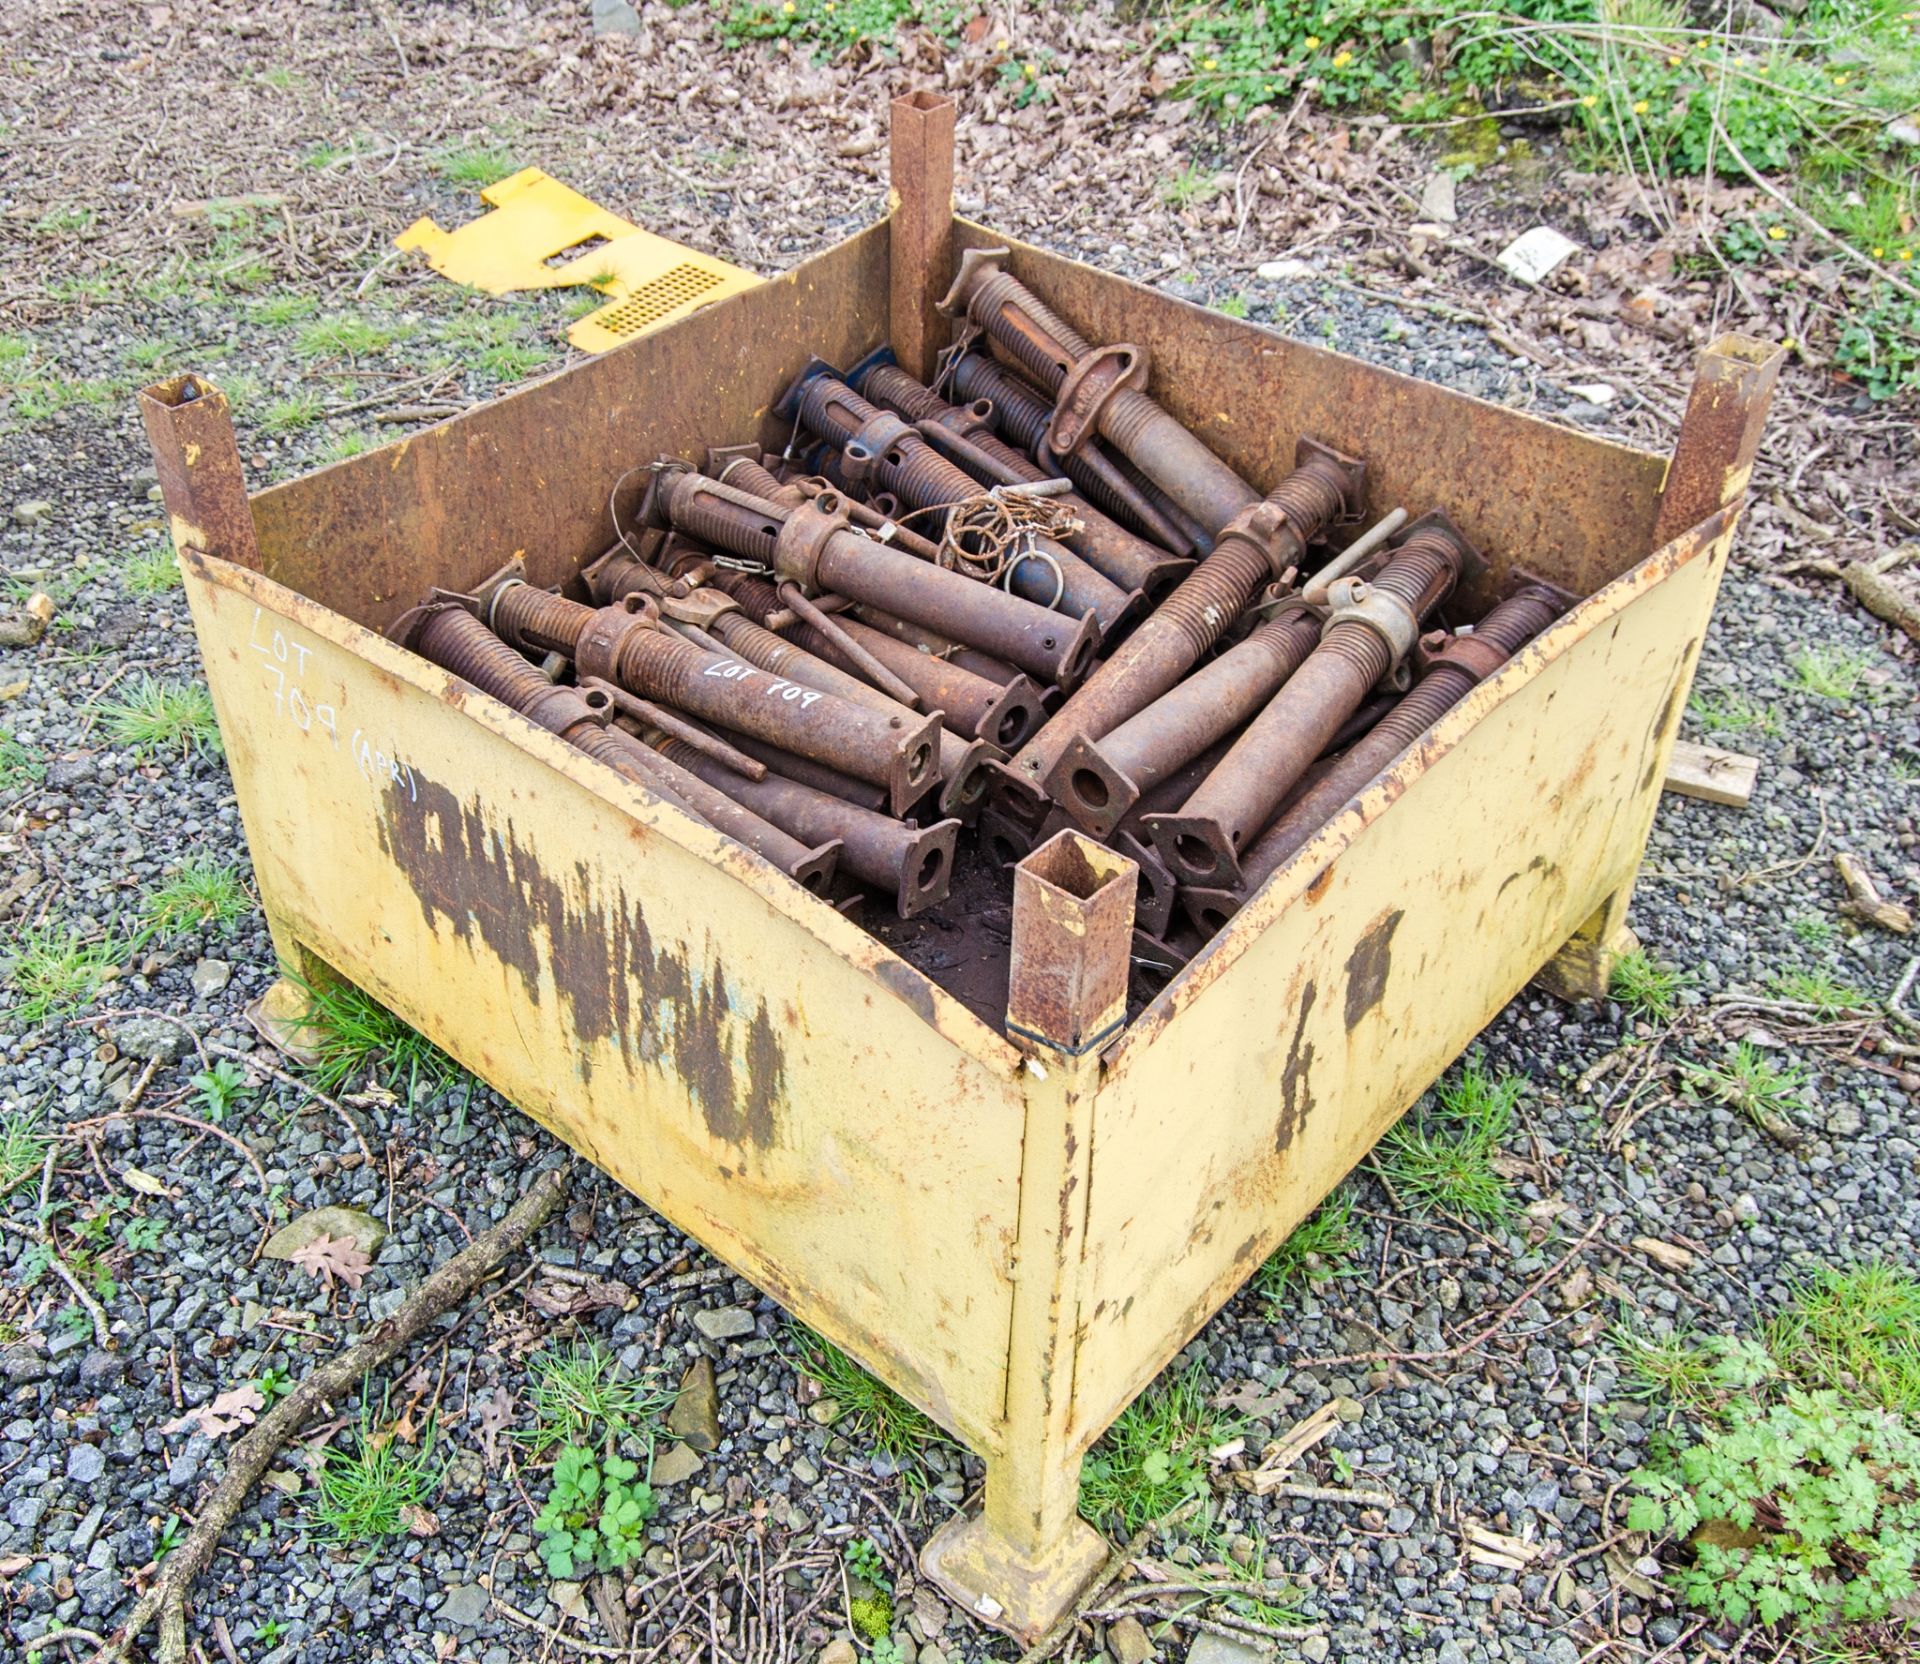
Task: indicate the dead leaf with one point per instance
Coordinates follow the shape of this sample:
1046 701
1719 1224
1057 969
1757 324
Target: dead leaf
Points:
1577 1288
1670 1256
495 1417
576 1297
226 1414
144 1183
329 1257
1626 1574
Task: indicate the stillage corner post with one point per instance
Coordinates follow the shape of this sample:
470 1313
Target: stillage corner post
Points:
1022 1560
919 228
1708 475
190 429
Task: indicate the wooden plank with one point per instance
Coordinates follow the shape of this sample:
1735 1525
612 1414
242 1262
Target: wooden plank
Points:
1705 771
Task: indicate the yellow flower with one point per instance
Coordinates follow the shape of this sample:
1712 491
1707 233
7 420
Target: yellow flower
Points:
1879 253
1906 254
1001 44
1641 107
1762 69
1777 232
1589 101
1342 59
1789 344
1209 63
1839 80
788 8
1313 43
1673 62
1031 72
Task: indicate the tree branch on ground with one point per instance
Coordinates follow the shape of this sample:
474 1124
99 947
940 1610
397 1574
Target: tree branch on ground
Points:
166 1601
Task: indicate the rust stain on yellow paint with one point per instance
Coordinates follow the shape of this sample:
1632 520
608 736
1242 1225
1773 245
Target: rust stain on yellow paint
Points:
476 876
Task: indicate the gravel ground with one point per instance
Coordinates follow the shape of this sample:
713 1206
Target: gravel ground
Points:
1530 1440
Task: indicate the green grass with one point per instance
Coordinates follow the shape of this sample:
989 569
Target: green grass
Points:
1646 989
1829 996
56 970
66 221
15 350
343 446
205 894
150 354
477 165
1316 1252
1190 185
159 718
1444 1159
512 360
1830 672
23 1147
45 397
580 1395
1671 1367
277 311
869 1409
497 342
352 1035
1153 1459
362 1496
151 571
348 335
288 415
1812 928
18 765
1733 713
1856 1330
1751 1082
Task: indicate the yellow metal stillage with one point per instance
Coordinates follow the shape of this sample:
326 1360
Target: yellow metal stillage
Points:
1016 1238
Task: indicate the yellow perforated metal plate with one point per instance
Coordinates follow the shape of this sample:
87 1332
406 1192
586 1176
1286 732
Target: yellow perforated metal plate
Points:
542 234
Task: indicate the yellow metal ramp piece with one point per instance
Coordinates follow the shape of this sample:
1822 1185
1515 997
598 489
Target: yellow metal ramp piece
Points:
535 218
542 234
654 282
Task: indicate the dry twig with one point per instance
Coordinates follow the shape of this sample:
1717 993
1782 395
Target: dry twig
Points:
166 1601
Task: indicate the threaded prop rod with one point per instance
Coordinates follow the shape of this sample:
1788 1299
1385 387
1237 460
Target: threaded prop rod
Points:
1505 630
1264 545
1201 843
1043 345
901 462
897 751
1044 644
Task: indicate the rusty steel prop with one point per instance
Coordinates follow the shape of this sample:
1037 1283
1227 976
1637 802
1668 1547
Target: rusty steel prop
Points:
619 574
1097 390
624 645
812 547
967 432
1021 413
454 639
817 775
1098 781
1452 666
1002 715
963 783
1370 630
1002 709
878 451
914 863
1264 544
